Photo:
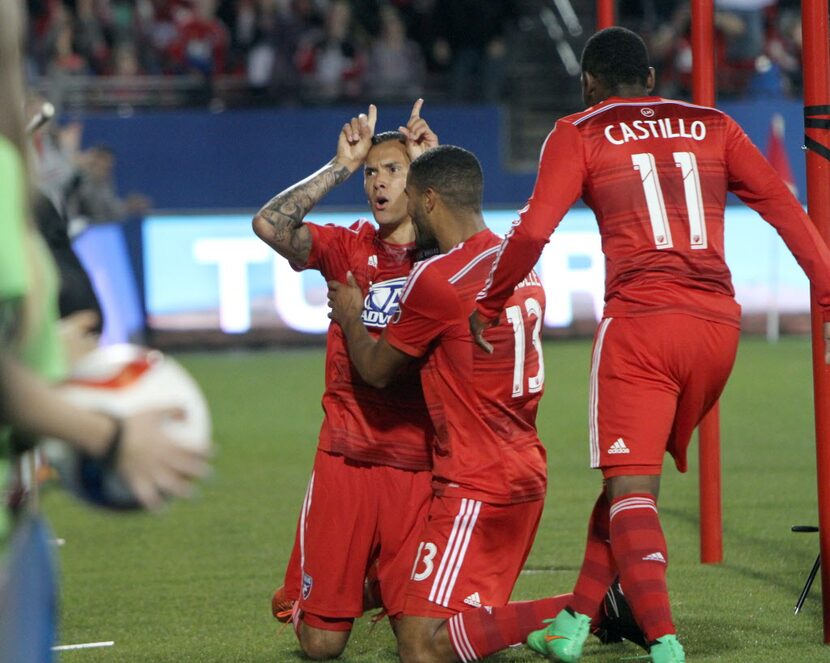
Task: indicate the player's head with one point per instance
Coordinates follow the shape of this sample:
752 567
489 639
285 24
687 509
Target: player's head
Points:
615 63
384 177
446 179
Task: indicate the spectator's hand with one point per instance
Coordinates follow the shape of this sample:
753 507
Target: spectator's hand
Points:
477 327
356 139
345 300
155 465
419 137
79 334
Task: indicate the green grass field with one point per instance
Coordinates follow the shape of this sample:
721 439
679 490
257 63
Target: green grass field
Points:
194 584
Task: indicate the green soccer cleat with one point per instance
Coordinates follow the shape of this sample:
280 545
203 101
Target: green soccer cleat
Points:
667 650
563 637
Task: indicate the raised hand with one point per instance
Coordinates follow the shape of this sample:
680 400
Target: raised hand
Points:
355 139
419 137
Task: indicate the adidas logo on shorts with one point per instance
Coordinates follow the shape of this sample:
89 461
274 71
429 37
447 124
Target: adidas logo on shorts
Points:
474 600
619 447
655 557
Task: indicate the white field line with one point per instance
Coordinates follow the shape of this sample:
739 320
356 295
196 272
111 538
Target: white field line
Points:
85 645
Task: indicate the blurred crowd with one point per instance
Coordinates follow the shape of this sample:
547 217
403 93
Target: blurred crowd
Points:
757 45
311 50
319 51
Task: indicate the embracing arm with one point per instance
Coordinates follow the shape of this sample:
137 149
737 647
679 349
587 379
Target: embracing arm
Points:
376 360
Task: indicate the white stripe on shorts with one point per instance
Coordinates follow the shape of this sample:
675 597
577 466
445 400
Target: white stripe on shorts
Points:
303 517
593 395
453 556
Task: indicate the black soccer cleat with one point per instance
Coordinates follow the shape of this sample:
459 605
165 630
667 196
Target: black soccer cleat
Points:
617 623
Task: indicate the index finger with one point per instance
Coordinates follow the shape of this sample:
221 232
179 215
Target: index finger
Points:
372 117
416 109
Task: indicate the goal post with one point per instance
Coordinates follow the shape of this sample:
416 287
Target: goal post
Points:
816 65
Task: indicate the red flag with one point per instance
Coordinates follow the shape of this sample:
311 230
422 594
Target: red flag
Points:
777 152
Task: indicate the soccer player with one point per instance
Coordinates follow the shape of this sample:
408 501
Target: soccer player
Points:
656 172
488 463
370 484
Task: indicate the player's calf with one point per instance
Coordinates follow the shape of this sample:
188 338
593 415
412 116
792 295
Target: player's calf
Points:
424 640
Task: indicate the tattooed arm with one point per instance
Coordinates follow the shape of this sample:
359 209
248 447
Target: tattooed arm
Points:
280 221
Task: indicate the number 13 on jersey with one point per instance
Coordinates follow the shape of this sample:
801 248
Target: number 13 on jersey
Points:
516 319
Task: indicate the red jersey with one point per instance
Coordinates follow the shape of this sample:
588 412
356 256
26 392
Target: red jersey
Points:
483 406
656 173
382 426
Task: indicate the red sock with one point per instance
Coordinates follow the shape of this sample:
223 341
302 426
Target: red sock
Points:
475 634
598 566
640 551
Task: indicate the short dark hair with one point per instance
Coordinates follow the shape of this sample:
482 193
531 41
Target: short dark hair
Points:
453 172
384 136
616 56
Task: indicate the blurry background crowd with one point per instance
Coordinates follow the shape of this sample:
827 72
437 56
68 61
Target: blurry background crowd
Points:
122 53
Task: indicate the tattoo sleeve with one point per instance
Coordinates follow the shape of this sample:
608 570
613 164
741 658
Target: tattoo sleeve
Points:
280 221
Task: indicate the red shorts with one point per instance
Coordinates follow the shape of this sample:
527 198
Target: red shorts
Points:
653 378
469 555
354 515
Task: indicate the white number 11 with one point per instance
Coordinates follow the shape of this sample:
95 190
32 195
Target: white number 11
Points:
686 161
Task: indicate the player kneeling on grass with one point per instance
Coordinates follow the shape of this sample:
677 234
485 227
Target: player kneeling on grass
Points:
489 468
370 486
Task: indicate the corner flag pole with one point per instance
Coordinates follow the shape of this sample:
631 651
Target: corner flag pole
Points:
711 520
816 59
606 14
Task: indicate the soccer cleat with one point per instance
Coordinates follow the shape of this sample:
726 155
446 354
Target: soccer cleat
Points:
667 650
617 621
281 606
563 637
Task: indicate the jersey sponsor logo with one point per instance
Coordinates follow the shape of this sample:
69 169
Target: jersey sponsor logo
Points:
474 600
308 581
620 134
382 302
373 261
655 557
619 447
647 112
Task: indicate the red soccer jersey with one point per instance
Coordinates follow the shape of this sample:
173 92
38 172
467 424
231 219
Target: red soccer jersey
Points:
483 406
382 426
656 173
